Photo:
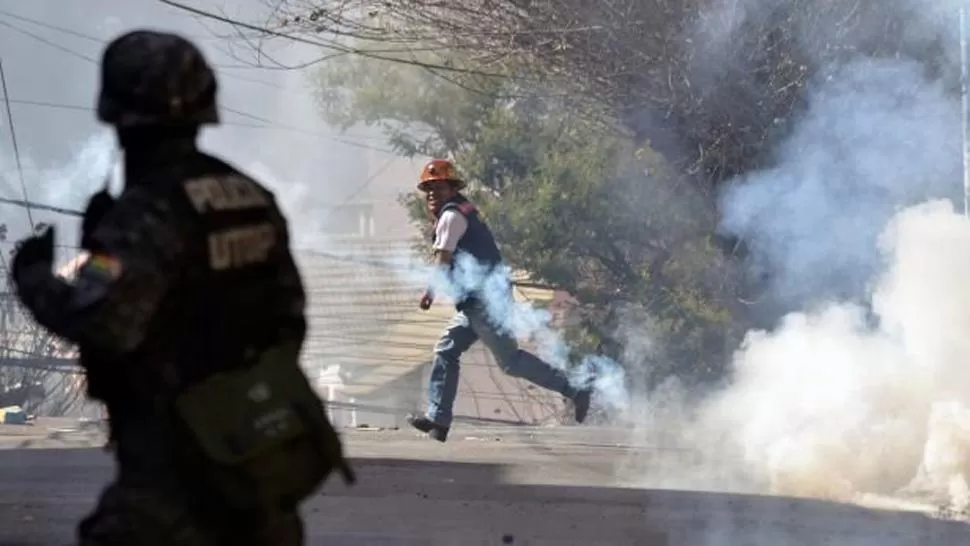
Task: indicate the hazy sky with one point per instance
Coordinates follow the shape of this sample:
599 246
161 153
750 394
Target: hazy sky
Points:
50 50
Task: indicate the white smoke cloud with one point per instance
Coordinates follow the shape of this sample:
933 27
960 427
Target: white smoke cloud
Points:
833 403
523 321
65 186
70 185
876 136
867 389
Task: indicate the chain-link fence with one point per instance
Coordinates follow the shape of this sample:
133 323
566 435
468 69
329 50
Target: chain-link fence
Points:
368 349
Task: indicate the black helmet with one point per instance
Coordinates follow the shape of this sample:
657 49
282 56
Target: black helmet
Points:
156 78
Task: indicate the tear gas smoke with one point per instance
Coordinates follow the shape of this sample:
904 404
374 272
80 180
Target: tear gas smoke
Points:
867 388
67 186
524 321
71 185
830 405
876 136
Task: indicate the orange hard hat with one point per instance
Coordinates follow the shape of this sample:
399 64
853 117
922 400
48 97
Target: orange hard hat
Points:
440 170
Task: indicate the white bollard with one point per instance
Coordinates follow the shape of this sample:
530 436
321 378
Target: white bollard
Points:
353 412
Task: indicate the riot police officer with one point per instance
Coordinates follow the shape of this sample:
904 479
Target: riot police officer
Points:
189 316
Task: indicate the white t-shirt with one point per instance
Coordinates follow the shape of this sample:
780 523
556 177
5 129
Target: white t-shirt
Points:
449 229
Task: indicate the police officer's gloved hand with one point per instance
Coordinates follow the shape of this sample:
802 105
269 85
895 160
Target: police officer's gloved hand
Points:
98 206
33 254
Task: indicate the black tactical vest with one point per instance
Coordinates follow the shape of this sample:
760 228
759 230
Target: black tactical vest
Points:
242 291
477 242
238 291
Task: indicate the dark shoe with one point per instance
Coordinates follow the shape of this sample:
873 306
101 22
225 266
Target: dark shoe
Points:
429 427
581 404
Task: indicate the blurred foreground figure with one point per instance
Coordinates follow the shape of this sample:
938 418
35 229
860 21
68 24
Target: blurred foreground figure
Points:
189 315
482 309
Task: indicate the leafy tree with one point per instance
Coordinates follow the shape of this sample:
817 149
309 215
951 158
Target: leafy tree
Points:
584 210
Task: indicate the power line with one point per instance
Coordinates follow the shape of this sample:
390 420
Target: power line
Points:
366 183
55 45
30 204
16 147
47 25
376 263
269 124
102 41
334 46
272 123
78 34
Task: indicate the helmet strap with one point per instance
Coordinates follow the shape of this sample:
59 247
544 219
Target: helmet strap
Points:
153 137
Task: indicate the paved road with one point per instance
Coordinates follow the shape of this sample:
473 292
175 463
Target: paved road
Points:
536 486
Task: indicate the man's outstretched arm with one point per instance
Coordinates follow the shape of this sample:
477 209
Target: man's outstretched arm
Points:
450 228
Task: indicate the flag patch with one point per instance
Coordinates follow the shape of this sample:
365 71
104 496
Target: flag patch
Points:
105 265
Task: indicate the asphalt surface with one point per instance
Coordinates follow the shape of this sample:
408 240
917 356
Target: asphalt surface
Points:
487 486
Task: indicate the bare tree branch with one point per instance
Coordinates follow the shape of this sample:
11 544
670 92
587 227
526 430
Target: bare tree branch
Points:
710 85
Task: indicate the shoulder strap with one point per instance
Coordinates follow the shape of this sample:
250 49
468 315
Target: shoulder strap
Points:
466 208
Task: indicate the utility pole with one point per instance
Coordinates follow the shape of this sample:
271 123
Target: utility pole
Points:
965 99
16 147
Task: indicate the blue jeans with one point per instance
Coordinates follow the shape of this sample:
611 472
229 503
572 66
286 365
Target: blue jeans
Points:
468 326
